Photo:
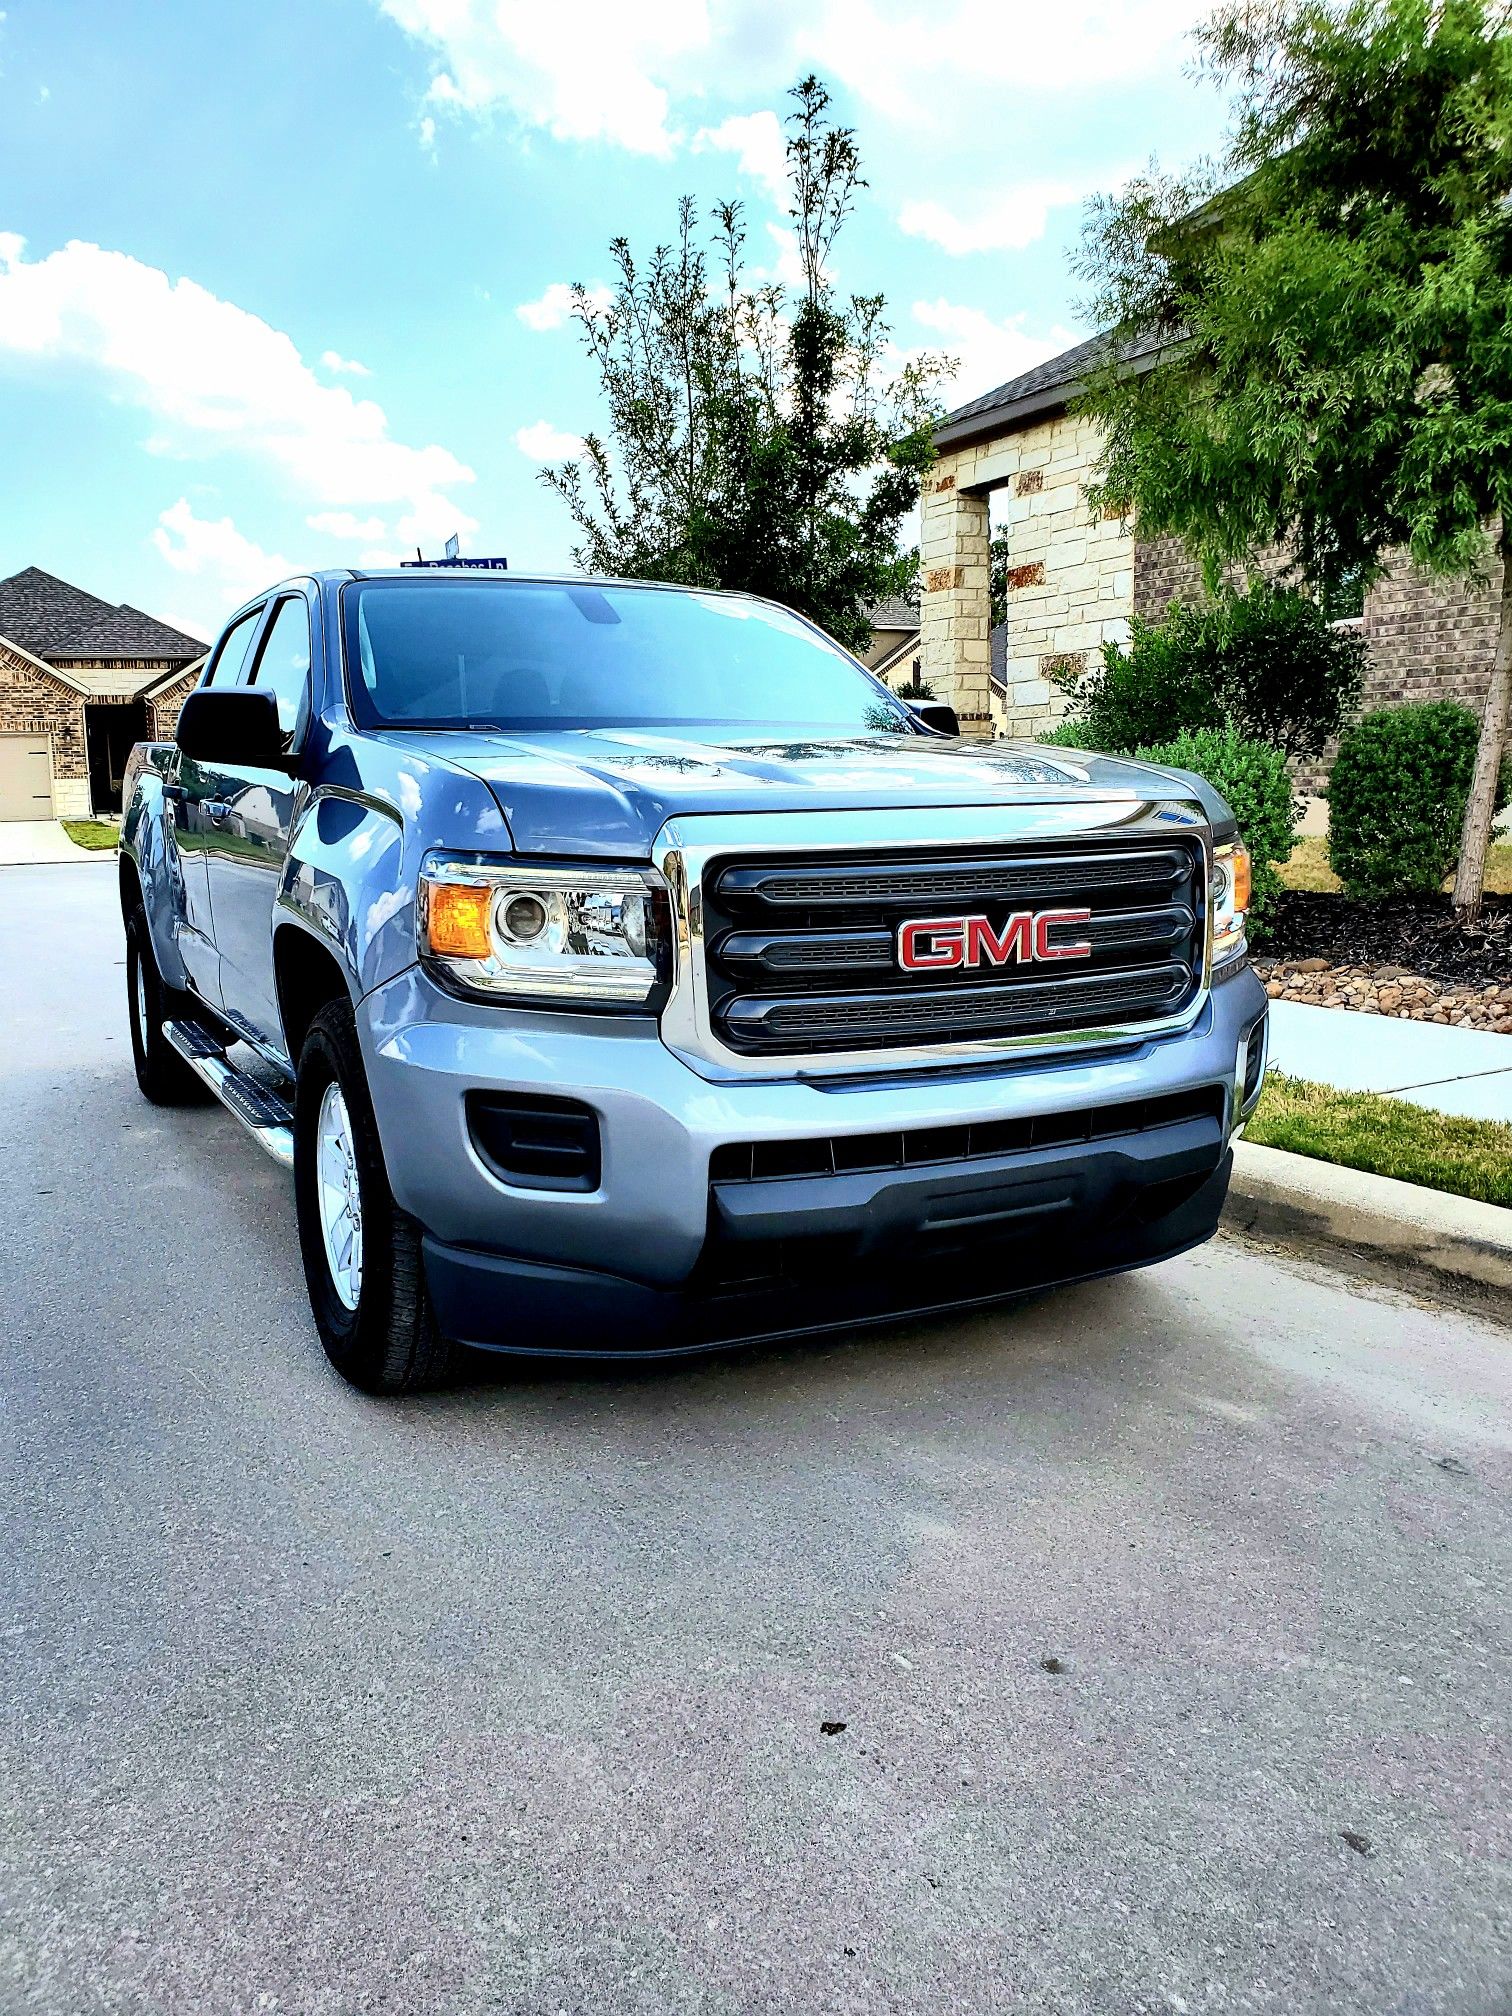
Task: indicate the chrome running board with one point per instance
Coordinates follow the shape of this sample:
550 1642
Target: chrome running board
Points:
266 1117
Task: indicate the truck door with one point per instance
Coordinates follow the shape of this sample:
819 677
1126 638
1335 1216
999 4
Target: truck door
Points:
193 799
250 834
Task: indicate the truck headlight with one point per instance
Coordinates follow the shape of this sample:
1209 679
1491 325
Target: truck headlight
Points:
585 934
1229 895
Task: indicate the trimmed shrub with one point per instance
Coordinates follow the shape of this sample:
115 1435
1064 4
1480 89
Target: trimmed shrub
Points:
1267 663
1157 686
1251 777
1066 735
1396 798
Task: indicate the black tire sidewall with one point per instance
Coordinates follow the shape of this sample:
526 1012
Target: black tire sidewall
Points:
163 1075
137 962
372 1345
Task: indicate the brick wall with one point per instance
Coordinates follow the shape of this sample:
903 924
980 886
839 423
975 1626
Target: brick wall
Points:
33 702
163 708
1426 639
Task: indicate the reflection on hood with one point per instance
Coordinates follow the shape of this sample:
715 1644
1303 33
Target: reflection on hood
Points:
607 792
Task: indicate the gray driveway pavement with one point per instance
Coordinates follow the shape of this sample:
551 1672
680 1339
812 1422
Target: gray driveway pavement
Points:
1142 1648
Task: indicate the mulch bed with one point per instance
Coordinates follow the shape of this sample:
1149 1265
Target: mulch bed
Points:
1414 934
1407 959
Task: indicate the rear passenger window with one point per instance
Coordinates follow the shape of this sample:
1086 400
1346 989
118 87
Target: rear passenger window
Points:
232 654
283 664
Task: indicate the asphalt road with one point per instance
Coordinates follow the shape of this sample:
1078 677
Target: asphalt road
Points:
1161 1626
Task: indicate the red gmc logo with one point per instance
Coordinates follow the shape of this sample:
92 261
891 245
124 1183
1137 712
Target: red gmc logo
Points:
926 944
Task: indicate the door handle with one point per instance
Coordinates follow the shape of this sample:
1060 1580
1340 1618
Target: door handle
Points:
217 811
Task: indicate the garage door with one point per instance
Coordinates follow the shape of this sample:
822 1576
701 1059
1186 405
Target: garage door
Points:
25 777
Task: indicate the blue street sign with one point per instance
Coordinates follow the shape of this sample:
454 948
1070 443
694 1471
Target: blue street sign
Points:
499 566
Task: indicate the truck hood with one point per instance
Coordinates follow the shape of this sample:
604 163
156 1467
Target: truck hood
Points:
608 792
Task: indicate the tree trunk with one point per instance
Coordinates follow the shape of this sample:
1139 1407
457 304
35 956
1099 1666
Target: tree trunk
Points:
1480 810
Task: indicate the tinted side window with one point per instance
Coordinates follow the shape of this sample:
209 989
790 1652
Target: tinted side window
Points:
233 651
283 664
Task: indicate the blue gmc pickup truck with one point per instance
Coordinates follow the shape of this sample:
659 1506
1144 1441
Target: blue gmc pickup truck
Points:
623 969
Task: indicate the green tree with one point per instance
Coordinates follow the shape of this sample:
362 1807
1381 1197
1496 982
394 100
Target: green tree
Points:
1331 332
1000 557
756 436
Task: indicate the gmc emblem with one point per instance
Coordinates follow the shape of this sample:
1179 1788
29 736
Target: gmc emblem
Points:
929 944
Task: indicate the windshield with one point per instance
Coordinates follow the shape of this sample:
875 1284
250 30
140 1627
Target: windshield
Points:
531 655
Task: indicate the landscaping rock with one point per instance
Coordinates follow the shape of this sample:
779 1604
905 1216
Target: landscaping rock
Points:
1405 996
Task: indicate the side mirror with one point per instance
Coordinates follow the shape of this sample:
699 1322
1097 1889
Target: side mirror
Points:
239 725
937 714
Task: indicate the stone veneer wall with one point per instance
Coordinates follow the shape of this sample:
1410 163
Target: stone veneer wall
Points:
1070 581
955 598
1426 639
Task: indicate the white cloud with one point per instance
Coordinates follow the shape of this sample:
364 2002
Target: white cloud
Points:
760 146
229 566
582 69
555 306
1010 221
215 378
544 443
428 134
346 525
788 266
347 366
989 351
601 70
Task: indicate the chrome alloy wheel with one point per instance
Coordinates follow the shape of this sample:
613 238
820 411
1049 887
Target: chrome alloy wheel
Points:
143 1027
339 1190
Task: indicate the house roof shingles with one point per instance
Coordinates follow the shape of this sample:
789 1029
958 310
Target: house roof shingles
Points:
128 633
53 619
894 614
1046 388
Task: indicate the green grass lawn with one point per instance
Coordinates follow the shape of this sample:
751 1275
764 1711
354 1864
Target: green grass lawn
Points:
1361 1130
1308 868
91 832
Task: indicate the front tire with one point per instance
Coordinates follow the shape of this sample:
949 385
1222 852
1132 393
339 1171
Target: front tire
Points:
362 1258
161 1073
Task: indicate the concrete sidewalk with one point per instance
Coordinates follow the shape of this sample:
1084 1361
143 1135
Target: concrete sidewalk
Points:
24 843
1464 1071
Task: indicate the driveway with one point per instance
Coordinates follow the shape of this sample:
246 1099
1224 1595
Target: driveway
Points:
28 842
1141 1648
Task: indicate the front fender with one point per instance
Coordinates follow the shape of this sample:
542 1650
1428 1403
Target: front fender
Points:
346 879
352 872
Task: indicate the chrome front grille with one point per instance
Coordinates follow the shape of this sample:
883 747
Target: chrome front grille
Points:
800 956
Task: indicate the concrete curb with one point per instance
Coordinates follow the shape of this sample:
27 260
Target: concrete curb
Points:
1424 1237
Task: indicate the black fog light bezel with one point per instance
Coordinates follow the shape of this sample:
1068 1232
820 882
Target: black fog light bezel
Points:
537 1141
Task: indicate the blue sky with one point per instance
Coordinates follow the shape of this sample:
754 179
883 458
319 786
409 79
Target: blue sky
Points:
280 280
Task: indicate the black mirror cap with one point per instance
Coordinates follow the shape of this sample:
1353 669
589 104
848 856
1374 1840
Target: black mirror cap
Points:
937 714
239 725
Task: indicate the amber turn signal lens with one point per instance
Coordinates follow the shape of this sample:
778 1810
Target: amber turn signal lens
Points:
1241 864
457 918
